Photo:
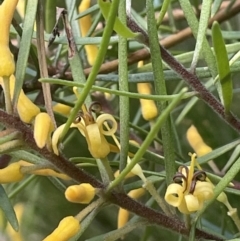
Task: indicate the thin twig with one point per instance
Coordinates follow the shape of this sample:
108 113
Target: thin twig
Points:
118 198
42 62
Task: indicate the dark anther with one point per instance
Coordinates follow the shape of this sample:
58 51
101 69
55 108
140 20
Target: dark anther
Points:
197 176
178 178
95 107
78 117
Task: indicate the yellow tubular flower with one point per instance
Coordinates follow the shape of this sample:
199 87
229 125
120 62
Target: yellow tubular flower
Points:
196 142
67 228
123 214
7 66
43 127
190 190
27 110
51 173
82 193
44 172
92 130
130 174
85 24
62 109
148 107
55 137
200 147
11 173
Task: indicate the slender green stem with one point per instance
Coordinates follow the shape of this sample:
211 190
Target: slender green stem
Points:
89 209
43 63
160 88
11 146
118 92
100 57
160 201
8 135
105 170
7 95
163 11
21 186
123 86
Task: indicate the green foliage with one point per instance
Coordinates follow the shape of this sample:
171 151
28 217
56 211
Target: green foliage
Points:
185 90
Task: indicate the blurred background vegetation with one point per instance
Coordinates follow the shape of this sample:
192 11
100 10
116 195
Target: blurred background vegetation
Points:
43 198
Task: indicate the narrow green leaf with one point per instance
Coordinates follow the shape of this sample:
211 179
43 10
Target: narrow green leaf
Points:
203 24
223 66
24 49
50 15
8 210
163 11
86 12
119 27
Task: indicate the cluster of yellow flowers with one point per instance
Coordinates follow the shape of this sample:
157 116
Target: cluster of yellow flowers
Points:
190 188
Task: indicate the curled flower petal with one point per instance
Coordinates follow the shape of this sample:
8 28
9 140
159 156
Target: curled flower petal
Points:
83 193
81 127
106 117
67 228
203 190
183 207
97 144
43 128
174 194
192 202
55 138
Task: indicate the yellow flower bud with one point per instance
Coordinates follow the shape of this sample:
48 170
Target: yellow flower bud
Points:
83 193
7 9
7 66
85 24
27 110
11 173
196 142
123 214
67 228
137 170
62 109
130 174
43 128
148 107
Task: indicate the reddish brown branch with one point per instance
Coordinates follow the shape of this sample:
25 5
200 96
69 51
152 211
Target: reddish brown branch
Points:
120 199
